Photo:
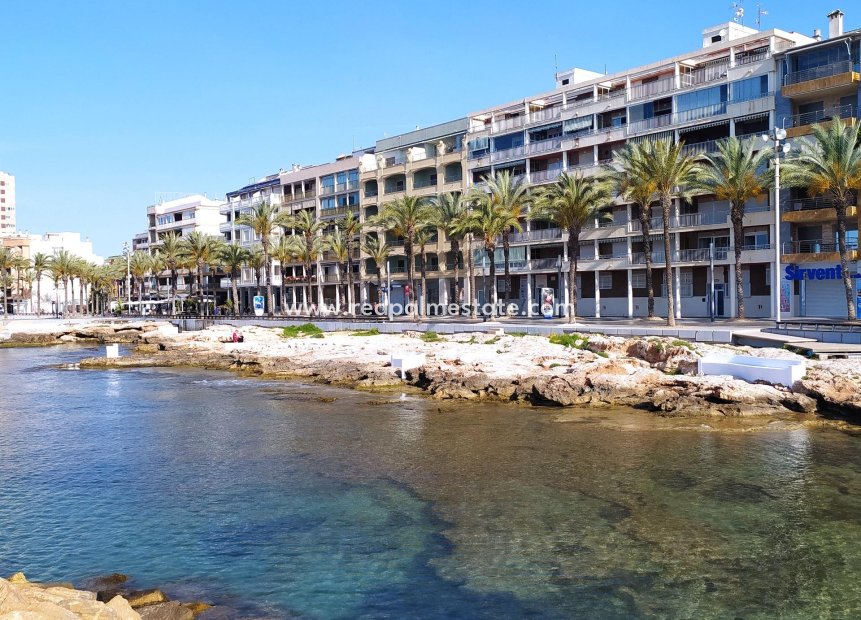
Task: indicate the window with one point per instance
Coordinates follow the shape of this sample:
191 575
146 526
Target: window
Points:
757 240
638 279
605 281
327 203
686 283
565 82
751 88
703 98
478 147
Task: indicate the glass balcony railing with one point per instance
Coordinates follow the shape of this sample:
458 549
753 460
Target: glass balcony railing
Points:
815 73
824 116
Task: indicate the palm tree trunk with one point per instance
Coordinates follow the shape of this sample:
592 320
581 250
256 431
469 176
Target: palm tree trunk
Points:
455 250
646 228
506 252
851 310
424 299
737 218
39 295
350 292
140 295
408 250
668 271
471 276
573 247
270 310
65 297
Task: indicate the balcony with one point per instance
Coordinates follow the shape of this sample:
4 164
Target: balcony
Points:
423 183
701 148
301 196
371 193
339 212
512 153
826 77
544 146
545 176
813 210
545 263
650 124
802 124
650 89
327 190
531 236
545 115
508 123
815 251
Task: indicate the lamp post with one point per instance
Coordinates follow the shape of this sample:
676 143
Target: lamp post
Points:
778 136
128 256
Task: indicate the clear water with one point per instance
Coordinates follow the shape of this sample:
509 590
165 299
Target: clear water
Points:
283 500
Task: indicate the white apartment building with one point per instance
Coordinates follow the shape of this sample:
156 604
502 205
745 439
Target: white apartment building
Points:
7 204
50 244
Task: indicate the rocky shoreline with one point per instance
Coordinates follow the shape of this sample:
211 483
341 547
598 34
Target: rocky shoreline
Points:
653 374
104 598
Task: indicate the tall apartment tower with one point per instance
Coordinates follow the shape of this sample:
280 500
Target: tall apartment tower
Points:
7 203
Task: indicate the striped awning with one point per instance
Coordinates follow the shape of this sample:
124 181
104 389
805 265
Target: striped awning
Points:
752 117
652 137
705 126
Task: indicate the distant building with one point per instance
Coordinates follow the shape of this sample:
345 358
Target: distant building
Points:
7 204
182 217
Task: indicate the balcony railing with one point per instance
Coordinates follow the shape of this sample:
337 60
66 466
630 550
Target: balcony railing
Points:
508 123
421 183
809 204
517 151
543 176
370 193
542 146
747 58
815 247
545 263
547 114
327 190
649 89
536 235
656 223
339 211
815 73
820 116
701 148
650 123
687 116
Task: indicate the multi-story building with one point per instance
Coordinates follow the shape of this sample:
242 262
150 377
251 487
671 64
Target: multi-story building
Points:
327 190
53 298
724 89
425 163
180 216
140 242
817 82
7 204
16 296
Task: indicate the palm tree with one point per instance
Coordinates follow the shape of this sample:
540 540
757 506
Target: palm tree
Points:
305 223
256 260
264 219
199 249
337 245
139 267
379 252
27 276
510 197
831 165
351 228
172 255
62 268
7 262
41 262
20 264
571 202
404 217
233 257
450 213
424 236
672 172
737 174
489 223
629 181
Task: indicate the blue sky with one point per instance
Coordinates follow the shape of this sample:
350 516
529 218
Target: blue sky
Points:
105 104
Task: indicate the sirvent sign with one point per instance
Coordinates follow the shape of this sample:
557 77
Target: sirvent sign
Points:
794 272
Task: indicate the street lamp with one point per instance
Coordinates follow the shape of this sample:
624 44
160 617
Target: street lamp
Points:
778 135
128 256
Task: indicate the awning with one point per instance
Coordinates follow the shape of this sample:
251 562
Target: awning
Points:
752 117
652 137
705 126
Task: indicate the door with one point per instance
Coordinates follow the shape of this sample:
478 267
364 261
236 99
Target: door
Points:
719 299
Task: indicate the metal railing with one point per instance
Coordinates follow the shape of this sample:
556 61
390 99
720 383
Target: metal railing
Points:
517 151
542 146
835 68
370 193
746 58
508 123
649 89
819 116
650 123
542 176
815 247
686 116
547 114
421 183
545 263
808 204
536 235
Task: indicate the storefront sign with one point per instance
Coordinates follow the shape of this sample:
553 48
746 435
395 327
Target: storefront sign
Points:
794 272
259 304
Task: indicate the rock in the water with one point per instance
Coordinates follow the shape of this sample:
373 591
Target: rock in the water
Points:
166 611
18 578
122 609
146 597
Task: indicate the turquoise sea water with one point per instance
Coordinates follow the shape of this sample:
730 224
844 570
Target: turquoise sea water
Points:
281 500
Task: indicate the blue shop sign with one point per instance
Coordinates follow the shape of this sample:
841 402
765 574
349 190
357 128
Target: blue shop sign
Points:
794 272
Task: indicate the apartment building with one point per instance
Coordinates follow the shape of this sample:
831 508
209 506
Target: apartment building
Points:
425 162
7 204
726 88
15 295
818 81
180 216
328 191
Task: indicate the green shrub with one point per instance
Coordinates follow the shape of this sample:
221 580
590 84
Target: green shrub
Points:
431 337
367 332
518 334
306 329
493 340
682 343
573 341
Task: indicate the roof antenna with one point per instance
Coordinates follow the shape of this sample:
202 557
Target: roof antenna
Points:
760 12
739 12
556 64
